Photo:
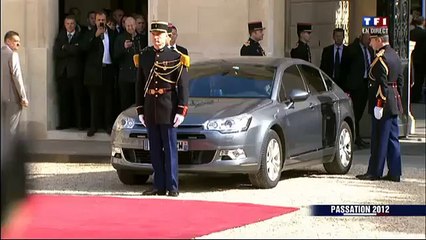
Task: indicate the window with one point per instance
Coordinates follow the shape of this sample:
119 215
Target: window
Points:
313 78
222 80
291 80
328 81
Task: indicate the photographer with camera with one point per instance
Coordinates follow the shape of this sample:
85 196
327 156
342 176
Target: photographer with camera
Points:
99 74
127 45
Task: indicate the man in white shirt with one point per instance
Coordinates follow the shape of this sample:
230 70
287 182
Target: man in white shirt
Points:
12 83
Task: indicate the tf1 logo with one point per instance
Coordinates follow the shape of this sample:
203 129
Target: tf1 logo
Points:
374 21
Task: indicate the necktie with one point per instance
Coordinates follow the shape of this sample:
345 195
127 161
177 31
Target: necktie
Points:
337 63
367 63
69 37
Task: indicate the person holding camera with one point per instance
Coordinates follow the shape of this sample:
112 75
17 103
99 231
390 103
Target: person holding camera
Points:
99 74
127 45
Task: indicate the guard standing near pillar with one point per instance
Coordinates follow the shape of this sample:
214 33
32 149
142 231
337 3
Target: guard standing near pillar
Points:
384 104
302 50
252 46
162 104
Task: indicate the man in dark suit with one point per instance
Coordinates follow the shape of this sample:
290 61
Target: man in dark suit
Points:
126 46
384 105
99 74
173 35
141 29
69 75
356 62
332 56
419 61
162 104
302 50
252 46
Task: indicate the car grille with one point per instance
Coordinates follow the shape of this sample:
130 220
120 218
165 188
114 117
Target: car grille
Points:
180 136
190 157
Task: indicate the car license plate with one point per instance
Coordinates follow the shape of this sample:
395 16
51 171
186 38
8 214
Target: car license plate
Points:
182 146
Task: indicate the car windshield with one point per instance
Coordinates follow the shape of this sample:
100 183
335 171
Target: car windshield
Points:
220 80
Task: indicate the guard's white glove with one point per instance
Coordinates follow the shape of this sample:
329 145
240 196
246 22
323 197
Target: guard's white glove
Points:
142 120
178 120
378 112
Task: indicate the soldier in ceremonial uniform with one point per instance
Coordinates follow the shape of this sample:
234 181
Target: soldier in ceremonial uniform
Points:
252 46
384 104
302 50
162 103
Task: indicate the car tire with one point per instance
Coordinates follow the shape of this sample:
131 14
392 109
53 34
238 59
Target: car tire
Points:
269 172
342 161
131 178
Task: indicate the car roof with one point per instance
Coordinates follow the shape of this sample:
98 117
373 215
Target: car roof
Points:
266 61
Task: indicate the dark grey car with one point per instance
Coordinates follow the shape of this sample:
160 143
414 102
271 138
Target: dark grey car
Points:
257 116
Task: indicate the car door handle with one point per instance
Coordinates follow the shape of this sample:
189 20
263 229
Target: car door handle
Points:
311 106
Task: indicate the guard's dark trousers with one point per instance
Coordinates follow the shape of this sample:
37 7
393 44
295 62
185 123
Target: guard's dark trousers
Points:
165 163
385 145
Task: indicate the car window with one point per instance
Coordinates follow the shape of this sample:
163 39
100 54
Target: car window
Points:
291 80
223 80
328 81
313 78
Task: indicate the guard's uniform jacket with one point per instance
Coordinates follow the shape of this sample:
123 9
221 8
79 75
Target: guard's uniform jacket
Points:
252 48
302 51
386 82
162 86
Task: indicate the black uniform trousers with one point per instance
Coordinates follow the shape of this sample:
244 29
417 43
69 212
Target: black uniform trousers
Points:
101 100
165 163
359 100
385 146
127 94
71 105
419 79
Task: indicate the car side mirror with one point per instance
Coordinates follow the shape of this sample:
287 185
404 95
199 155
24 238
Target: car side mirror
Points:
298 95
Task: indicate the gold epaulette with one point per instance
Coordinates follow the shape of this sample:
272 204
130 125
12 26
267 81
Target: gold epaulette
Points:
136 60
185 60
247 43
379 58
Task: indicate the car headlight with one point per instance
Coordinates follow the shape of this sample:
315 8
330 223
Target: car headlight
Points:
229 125
123 122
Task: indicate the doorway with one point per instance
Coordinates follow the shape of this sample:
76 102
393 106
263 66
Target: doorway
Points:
84 6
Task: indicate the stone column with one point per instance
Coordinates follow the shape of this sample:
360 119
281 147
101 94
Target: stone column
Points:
357 10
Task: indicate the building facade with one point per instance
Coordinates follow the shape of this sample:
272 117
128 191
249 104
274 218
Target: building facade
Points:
209 29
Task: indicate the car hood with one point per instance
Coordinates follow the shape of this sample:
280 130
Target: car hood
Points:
203 109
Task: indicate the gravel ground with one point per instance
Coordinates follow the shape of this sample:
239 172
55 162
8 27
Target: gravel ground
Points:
296 189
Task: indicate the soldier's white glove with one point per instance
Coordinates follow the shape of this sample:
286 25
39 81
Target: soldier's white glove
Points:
178 120
142 120
378 112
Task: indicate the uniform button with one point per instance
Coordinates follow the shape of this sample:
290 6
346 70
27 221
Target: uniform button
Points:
156 95
156 68
156 82
156 89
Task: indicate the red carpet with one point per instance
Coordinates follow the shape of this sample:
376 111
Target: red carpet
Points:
64 216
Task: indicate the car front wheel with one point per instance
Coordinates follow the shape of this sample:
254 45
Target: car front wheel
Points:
269 172
343 157
131 178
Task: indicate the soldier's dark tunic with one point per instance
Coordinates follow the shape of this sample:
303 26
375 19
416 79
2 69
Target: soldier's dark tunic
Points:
302 51
385 87
160 95
252 48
